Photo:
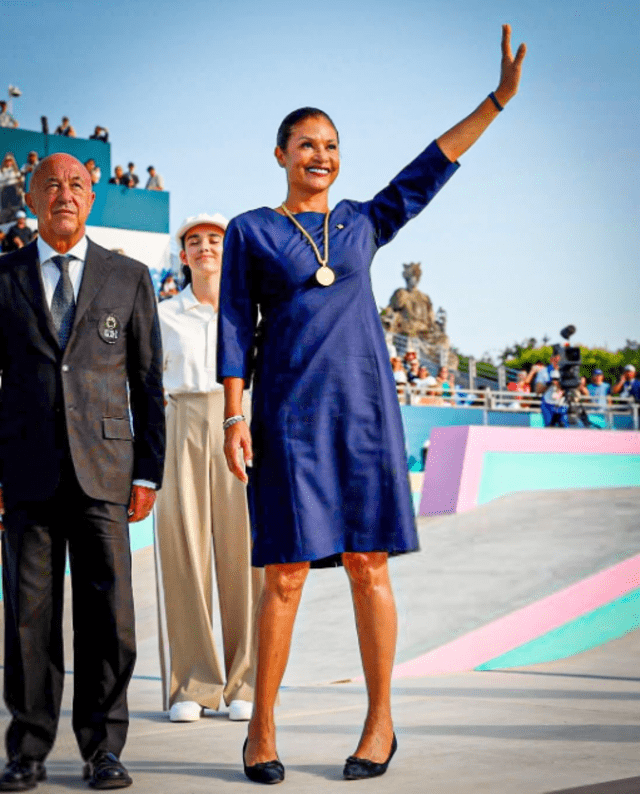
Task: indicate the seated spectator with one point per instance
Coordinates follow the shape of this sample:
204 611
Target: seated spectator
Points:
11 195
445 383
100 134
94 172
65 129
431 395
6 119
155 180
414 371
409 357
168 287
18 235
628 386
598 389
420 381
399 372
131 178
118 177
520 386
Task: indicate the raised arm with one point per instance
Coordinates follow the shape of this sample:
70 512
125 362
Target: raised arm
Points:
463 135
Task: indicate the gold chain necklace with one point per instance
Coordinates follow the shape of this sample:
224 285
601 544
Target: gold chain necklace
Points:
325 276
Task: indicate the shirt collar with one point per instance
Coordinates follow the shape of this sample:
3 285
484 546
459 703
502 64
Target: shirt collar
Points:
45 251
189 300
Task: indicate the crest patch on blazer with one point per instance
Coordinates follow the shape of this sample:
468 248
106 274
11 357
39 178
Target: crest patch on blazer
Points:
109 328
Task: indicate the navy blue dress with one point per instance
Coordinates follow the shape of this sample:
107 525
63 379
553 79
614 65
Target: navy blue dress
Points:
330 470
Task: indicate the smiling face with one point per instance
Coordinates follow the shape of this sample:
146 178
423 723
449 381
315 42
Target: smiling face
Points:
60 196
312 157
202 250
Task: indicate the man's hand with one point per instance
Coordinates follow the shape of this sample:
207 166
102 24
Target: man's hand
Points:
141 503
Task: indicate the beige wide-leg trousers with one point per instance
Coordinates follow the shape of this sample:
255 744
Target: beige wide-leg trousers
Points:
201 514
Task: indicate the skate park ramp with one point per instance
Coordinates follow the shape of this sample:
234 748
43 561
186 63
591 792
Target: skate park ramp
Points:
568 726
473 570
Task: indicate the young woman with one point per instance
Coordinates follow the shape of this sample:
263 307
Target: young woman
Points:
327 470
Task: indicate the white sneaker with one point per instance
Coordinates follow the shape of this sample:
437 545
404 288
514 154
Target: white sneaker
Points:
240 710
187 711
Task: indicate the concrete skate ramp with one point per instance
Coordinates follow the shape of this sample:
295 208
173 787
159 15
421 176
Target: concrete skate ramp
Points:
473 568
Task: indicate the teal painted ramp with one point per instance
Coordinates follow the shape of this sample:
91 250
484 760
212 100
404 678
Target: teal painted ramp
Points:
596 628
510 472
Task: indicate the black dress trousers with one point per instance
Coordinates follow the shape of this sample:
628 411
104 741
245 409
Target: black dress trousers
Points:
35 540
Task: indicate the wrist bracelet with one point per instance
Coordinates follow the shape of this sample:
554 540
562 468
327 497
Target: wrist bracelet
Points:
493 98
232 420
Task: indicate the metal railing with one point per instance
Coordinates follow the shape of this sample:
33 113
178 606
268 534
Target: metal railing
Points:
488 399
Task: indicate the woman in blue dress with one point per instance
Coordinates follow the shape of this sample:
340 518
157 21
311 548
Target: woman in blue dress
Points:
326 467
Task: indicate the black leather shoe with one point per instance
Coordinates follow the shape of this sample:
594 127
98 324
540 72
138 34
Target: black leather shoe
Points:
104 770
22 775
361 768
266 772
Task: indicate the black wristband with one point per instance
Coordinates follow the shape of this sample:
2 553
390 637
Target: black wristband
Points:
492 97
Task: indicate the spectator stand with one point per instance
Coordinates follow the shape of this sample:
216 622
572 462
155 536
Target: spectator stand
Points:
487 404
136 221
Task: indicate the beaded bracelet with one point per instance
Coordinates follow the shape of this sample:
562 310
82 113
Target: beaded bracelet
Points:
232 420
493 98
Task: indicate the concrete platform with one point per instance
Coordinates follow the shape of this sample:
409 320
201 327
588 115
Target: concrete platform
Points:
571 726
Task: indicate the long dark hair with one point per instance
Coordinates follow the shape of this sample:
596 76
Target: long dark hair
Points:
288 123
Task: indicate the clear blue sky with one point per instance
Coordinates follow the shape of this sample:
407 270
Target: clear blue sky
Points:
538 229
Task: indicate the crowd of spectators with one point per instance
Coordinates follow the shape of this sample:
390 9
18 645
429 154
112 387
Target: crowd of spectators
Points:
416 385
128 179
534 387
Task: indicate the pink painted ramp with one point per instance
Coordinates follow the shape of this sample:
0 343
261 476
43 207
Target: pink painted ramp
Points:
516 629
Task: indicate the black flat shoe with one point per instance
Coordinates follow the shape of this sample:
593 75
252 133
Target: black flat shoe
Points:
361 768
22 775
105 771
267 772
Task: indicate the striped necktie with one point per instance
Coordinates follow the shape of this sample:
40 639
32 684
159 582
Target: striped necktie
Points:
63 305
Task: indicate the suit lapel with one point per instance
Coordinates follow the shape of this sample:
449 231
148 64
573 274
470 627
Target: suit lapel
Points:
29 278
95 273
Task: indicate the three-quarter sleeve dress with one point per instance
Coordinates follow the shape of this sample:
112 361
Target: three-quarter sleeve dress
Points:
329 473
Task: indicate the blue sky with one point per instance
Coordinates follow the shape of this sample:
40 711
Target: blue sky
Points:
538 229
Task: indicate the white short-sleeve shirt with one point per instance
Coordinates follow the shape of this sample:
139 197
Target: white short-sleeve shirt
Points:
189 340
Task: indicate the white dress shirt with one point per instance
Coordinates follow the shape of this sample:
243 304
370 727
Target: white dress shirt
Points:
50 271
189 339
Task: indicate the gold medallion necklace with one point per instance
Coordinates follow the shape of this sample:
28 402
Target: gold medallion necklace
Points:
325 276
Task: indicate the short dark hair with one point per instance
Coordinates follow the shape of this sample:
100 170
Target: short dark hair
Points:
129 165
288 123
151 168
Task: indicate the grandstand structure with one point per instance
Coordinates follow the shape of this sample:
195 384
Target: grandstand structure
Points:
132 220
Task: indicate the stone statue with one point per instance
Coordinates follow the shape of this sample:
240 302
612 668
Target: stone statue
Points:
410 312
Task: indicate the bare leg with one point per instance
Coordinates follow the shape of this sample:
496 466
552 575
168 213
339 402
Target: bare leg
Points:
276 614
376 622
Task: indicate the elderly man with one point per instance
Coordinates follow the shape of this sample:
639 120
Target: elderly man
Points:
81 451
202 509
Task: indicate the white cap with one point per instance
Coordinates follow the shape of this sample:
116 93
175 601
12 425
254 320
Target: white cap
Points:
629 368
197 220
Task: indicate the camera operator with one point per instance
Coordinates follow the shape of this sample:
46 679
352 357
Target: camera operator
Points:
553 406
540 375
628 386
